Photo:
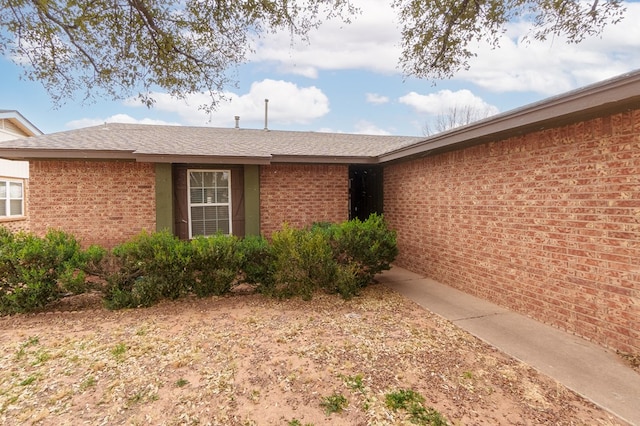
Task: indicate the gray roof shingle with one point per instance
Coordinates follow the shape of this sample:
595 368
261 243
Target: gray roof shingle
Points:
138 140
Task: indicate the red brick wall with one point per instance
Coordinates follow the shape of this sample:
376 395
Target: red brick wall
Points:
302 194
100 202
547 224
14 225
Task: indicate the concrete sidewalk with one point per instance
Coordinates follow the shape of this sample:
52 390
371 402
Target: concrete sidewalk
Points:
595 373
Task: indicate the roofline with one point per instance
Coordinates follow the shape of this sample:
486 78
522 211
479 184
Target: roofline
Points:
74 154
200 159
615 95
324 159
23 123
64 154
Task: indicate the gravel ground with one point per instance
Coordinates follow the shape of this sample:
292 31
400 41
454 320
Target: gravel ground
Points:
250 360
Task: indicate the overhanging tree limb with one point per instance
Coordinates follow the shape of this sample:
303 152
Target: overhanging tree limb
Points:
117 48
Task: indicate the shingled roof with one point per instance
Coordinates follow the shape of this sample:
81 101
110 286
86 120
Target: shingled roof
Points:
204 144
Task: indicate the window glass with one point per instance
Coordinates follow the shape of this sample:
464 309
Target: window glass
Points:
196 195
209 202
11 198
16 190
15 208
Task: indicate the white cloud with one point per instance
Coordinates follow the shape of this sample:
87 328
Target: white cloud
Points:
116 118
364 127
288 104
376 99
554 66
361 127
369 42
444 101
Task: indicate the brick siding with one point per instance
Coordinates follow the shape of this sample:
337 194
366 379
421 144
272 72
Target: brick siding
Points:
547 224
101 203
301 195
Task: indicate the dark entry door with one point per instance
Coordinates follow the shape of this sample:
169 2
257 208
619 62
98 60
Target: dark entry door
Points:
365 191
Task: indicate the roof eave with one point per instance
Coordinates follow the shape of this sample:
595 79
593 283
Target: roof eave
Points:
323 159
202 159
615 95
64 154
24 124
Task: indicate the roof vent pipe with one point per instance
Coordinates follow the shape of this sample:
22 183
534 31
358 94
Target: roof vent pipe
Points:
266 114
237 117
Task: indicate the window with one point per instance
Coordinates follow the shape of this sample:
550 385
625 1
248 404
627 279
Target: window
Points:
11 198
209 202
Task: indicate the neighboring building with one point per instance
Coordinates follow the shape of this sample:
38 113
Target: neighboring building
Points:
536 209
14 174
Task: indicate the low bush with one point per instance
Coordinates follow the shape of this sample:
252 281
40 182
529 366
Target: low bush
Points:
302 263
215 264
256 261
370 246
35 271
335 258
149 267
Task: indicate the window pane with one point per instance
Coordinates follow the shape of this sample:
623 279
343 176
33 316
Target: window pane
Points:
209 180
3 207
223 227
223 212
223 195
222 179
3 189
210 196
196 179
15 208
210 213
15 190
197 228
197 213
196 196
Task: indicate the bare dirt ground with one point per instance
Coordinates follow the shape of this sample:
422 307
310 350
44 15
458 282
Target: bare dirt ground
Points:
249 360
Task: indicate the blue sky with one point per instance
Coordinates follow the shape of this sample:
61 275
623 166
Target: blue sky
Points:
346 80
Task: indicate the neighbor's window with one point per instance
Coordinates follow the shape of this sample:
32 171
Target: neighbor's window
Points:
209 202
11 198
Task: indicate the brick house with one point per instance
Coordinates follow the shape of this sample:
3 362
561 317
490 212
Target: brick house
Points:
536 209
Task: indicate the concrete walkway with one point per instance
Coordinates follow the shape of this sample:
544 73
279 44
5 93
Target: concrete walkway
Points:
595 373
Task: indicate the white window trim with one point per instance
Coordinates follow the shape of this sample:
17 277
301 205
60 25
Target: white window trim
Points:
7 213
189 204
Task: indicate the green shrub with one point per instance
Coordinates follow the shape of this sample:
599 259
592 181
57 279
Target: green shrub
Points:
302 263
368 245
35 271
335 258
257 261
215 263
347 282
149 267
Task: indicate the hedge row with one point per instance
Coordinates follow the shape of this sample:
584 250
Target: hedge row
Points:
35 271
335 258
